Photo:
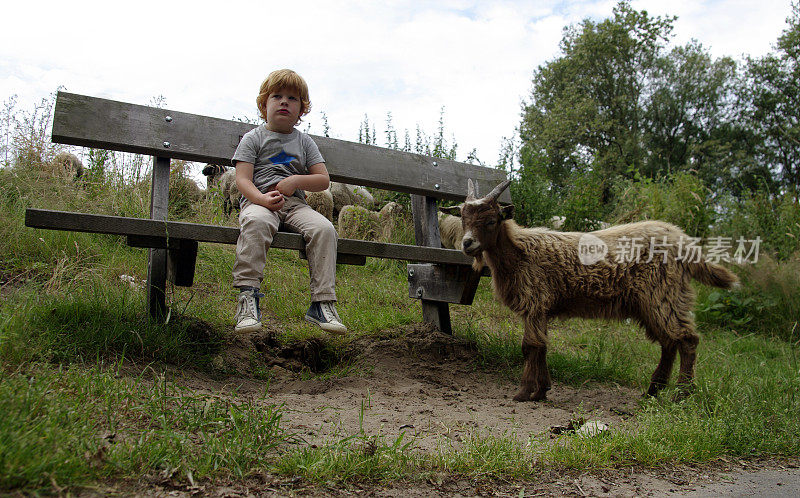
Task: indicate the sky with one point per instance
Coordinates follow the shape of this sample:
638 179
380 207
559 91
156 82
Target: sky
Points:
472 59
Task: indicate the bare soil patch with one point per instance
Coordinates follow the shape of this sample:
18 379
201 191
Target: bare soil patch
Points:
430 386
413 379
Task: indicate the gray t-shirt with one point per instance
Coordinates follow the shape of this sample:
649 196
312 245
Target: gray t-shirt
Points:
275 156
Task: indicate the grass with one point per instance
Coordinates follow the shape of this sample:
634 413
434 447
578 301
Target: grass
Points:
67 425
73 415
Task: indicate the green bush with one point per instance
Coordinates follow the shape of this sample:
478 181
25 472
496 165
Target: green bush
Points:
680 198
773 218
768 301
583 207
533 200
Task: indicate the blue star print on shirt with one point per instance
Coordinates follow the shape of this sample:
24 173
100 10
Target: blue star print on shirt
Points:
282 158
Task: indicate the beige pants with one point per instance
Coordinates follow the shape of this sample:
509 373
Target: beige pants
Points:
258 226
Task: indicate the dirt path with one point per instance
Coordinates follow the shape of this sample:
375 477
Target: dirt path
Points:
415 381
425 385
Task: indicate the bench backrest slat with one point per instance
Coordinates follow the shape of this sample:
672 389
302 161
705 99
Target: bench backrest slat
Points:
108 124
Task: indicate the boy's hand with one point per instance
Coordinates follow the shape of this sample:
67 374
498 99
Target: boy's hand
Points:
287 186
273 200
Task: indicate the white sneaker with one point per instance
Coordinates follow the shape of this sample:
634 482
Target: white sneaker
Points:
324 314
248 314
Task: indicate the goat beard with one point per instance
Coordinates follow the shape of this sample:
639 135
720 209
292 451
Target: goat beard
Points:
478 263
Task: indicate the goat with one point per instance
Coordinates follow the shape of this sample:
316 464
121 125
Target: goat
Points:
541 274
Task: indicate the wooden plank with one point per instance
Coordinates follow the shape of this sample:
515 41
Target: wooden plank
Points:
181 262
442 283
426 233
157 259
108 124
167 230
426 221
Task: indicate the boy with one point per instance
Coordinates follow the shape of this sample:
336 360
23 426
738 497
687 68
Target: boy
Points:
274 164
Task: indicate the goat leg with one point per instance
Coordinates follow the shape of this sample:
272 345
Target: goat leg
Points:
535 376
528 375
543 374
688 349
664 368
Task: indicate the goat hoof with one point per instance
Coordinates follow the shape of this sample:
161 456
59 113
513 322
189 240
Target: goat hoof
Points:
653 390
684 391
523 396
540 395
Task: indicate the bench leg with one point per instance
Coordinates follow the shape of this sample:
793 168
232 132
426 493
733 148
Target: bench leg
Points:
157 283
157 259
437 314
426 233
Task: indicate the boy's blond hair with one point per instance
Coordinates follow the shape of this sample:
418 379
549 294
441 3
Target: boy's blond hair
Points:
279 80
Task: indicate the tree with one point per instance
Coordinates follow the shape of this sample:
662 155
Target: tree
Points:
586 109
618 103
770 97
687 103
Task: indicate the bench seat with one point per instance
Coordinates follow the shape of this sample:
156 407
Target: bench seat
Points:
144 232
436 276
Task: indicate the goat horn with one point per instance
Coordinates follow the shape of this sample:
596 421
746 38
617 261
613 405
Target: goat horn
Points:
495 193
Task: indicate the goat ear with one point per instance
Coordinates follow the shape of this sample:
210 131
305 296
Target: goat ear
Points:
452 210
507 212
472 193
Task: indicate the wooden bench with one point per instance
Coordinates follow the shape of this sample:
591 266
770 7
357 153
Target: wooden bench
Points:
436 276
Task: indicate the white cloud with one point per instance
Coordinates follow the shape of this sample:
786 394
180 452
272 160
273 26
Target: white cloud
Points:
409 58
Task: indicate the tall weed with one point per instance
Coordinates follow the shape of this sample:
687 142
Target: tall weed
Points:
775 219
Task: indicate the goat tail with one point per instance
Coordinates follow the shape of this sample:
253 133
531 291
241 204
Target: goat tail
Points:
713 274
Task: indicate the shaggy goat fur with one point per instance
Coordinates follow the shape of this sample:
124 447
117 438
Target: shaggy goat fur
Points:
540 275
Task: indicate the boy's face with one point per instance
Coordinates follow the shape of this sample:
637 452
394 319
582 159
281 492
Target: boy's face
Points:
283 110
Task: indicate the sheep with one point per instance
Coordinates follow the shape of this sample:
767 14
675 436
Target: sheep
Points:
223 178
67 166
450 231
358 222
362 197
557 222
541 274
388 217
342 196
230 192
213 173
322 202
